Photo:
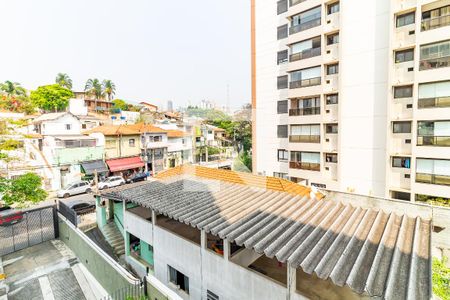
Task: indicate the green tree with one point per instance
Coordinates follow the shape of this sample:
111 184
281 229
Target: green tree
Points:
64 80
109 88
51 97
24 190
441 279
12 89
94 88
120 104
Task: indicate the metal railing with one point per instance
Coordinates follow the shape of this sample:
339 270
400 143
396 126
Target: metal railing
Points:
433 141
434 102
433 179
308 53
304 138
304 111
305 26
305 83
435 22
304 165
434 63
130 292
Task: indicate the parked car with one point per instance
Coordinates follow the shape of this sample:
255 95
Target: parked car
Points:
74 188
111 182
137 177
10 216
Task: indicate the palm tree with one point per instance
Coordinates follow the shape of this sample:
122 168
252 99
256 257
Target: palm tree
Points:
64 80
94 87
12 89
109 88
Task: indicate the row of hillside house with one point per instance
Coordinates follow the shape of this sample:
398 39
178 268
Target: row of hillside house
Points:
217 234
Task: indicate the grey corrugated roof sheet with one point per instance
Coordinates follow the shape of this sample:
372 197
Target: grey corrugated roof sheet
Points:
375 252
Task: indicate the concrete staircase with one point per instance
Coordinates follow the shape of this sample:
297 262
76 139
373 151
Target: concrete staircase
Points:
114 238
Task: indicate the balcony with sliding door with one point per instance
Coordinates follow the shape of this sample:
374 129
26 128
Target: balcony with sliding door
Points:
432 177
434 100
436 18
434 61
305 110
305 82
433 138
304 137
304 25
305 54
306 161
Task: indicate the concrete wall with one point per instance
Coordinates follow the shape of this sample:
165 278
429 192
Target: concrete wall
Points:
58 126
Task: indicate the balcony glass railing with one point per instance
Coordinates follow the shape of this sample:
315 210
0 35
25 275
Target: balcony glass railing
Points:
308 53
435 22
434 102
304 138
304 111
304 165
433 141
304 83
434 63
305 26
433 179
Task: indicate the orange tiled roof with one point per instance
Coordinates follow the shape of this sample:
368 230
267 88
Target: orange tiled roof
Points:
175 133
272 183
125 129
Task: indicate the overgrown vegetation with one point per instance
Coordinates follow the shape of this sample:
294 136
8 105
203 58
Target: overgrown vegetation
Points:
23 190
51 97
441 279
438 201
10 144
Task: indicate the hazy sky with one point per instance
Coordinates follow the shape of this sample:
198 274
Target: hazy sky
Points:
153 50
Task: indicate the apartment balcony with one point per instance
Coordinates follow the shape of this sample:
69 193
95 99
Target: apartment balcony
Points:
434 63
331 112
400 178
434 23
442 141
304 111
331 53
402 108
404 72
305 26
305 83
331 22
331 83
433 179
405 36
308 53
304 138
438 102
304 166
331 142
401 143
331 170
401 5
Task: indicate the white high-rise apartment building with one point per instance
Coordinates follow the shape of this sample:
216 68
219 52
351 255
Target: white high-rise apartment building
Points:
353 95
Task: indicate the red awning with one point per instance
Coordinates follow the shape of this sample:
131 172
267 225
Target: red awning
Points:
127 163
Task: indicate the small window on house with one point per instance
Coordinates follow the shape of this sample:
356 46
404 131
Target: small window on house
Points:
332 69
331 128
283 155
331 157
68 126
131 142
211 296
333 38
282 131
282 57
282 82
83 126
280 175
333 8
332 99
179 279
401 127
404 56
403 91
405 19
157 138
282 32
282 107
401 162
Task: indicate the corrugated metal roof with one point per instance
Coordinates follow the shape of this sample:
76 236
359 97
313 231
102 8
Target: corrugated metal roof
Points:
375 252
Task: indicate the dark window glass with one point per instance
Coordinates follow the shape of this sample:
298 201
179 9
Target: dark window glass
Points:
405 91
282 107
331 157
401 162
282 57
401 127
282 32
332 99
333 39
331 128
282 82
332 69
405 19
282 6
283 155
179 279
333 8
404 55
282 131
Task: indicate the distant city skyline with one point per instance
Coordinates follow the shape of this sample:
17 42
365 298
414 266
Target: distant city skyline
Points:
147 57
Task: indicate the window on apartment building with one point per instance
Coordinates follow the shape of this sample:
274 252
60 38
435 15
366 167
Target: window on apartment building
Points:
306 20
433 133
331 128
282 106
331 157
405 19
280 175
401 127
305 160
305 77
282 57
179 279
211 296
68 126
308 133
401 162
436 18
305 49
404 91
333 38
436 55
282 82
131 142
282 131
332 69
282 32
282 6
434 94
433 171
305 106
333 8
404 56
332 99
283 155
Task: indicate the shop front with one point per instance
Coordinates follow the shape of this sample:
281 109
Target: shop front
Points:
126 166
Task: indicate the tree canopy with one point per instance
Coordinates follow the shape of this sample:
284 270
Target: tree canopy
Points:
12 89
23 190
51 97
109 88
120 104
64 80
94 87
